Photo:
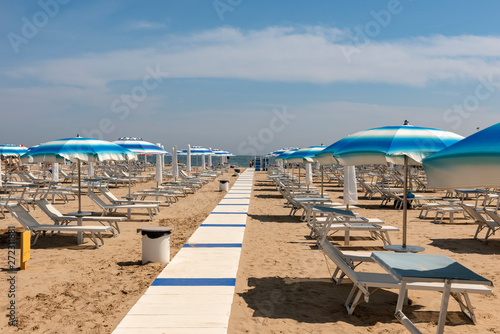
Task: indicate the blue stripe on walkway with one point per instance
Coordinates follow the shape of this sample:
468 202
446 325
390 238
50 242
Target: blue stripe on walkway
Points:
213 245
224 225
194 282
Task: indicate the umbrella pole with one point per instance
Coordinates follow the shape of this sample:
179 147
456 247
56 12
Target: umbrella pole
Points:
322 170
129 176
405 201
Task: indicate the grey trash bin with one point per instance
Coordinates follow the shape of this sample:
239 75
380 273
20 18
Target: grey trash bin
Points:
155 244
223 185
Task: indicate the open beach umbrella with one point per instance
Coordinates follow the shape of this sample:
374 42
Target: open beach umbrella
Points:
77 149
222 154
284 155
195 150
404 145
471 162
140 147
10 151
305 155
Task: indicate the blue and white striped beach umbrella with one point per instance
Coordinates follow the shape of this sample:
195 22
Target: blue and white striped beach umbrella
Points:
286 154
390 144
404 145
197 150
139 146
12 150
305 155
77 149
469 163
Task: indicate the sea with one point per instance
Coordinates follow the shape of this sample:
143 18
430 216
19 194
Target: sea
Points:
237 160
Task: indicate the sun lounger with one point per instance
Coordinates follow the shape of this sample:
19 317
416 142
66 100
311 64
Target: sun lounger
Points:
112 198
58 218
110 208
36 229
345 220
364 281
489 225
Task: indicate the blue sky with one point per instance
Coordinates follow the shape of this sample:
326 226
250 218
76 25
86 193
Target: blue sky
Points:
246 76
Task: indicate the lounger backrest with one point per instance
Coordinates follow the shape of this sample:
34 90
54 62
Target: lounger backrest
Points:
493 215
108 194
48 208
96 199
473 213
24 177
23 216
343 263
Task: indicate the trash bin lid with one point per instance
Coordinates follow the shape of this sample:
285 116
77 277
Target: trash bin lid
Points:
155 231
223 181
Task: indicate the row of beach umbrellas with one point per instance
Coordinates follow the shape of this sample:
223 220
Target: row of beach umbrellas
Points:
449 160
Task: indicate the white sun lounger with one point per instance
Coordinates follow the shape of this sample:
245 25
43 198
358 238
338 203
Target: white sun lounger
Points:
58 218
36 229
110 208
364 281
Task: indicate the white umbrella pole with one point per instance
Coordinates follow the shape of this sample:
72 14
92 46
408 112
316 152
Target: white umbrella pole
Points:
322 171
130 175
405 201
1 180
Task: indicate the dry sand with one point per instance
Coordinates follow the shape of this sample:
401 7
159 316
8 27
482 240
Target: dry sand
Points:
71 288
283 283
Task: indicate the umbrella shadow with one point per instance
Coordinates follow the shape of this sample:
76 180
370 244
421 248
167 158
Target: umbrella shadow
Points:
468 246
269 196
275 218
265 189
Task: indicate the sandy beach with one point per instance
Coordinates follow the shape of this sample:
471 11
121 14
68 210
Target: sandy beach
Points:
70 288
283 283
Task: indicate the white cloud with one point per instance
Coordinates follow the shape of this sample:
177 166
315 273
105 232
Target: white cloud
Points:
283 54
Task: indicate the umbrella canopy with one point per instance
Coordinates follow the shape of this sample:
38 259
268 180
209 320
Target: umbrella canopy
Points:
197 150
305 155
388 144
77 149
285 155
12 150
471 162
218 152
139 146
406 145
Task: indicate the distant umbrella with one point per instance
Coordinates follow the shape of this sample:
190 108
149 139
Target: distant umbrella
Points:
138 146
12 150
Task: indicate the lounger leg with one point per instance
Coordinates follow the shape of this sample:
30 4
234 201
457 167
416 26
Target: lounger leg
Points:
444 306
479 228
465 307
37 234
